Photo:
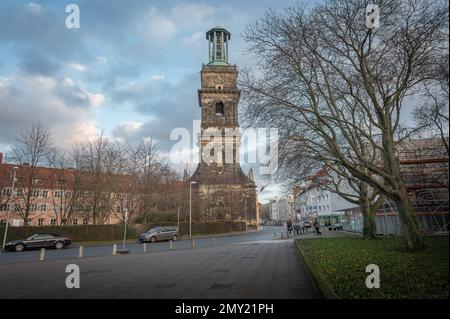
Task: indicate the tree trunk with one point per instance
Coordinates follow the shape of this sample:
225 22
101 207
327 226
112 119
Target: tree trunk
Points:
369 226
409 222
405 210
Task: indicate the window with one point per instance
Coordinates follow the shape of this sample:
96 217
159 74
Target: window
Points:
19 192
85 221
17 207
40 221
6 192
33 207
53 222
37 181
27 222
45 194
43 208
35 193
2 221
118 209
219 108
75 222
4 207
57 194
63 222
60 182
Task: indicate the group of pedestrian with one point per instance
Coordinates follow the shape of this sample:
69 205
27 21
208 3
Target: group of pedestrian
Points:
298 228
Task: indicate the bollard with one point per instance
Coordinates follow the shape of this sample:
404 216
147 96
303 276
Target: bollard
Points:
144 247
275 235
192 243
114 249
80 253
42 254
170 244
214 241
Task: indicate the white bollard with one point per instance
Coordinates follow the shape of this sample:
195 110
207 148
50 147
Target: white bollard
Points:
144 247
214 241
80 252
170 244
114 249
42 254
192 243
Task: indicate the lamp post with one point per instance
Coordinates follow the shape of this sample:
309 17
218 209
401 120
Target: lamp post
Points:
9 202
190 207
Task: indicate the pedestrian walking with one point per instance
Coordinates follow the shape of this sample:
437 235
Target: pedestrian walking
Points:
317 227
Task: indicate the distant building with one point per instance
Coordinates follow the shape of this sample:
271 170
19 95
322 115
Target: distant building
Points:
281 210
312 201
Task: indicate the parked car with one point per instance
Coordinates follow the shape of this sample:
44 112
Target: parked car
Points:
336 226
307 224
39 241
160 234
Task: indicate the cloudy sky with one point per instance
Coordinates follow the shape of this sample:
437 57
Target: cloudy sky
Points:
131 69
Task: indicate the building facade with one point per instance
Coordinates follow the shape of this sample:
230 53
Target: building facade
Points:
221 190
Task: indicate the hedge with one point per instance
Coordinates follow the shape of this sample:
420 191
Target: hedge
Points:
115 232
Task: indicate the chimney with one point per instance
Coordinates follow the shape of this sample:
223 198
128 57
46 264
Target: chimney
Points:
1 158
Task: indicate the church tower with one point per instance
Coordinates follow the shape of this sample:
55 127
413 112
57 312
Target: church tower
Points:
222 190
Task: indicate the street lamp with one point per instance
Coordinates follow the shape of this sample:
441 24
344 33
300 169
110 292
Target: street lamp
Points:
15 168
190 207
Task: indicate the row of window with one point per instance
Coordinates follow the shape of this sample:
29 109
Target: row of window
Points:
33 208
36 193
313 208
41 221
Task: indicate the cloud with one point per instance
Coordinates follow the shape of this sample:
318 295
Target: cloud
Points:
77 66
35 62
62 104
193 14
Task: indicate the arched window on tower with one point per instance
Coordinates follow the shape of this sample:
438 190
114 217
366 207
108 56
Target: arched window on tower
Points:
219 108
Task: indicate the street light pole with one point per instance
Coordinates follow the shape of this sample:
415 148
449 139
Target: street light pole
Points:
190 207
7 211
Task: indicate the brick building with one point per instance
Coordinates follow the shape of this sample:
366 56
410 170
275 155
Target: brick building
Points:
49 196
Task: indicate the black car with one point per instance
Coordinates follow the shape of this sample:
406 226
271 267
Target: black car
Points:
39 241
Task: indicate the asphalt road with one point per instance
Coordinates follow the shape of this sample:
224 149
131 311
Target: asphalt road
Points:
106 250
253 265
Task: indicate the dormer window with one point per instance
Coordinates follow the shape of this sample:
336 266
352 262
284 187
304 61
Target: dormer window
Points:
219 108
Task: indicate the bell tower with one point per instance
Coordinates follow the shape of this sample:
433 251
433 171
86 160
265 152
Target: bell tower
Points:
223 191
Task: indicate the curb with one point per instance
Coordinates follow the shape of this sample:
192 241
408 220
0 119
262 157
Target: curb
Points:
319 281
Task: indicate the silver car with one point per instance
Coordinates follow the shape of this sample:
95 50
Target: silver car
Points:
160 234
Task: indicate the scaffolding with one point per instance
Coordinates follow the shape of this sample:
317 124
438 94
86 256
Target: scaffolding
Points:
424 167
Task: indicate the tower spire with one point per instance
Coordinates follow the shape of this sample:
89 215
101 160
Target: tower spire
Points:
218 39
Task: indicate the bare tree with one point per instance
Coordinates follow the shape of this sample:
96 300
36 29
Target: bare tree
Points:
329 75
65 191
31 150
432 115
97 163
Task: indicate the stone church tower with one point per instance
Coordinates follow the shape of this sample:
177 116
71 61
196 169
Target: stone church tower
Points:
221 190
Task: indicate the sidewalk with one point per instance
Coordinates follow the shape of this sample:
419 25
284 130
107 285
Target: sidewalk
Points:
325 234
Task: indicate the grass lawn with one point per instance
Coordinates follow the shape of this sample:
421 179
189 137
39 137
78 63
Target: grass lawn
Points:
343 260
